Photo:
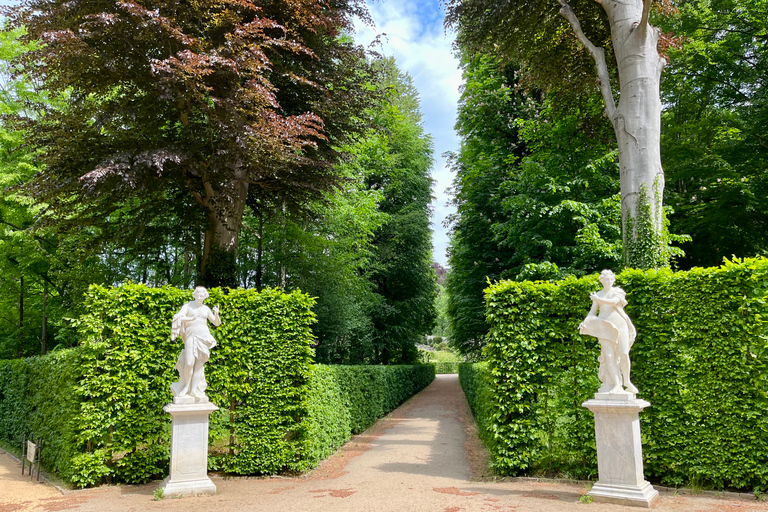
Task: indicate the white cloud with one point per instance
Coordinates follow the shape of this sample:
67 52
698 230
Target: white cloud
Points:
416 38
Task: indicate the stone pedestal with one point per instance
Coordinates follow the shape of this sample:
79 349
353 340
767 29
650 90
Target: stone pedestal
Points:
189 448
619 450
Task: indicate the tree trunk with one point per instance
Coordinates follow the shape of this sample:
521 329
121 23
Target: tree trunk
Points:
637 123
20 348
225 217
44 335
260 252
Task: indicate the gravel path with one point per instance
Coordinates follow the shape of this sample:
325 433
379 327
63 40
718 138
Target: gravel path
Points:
425 456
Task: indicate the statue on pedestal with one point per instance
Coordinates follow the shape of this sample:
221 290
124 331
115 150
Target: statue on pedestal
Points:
191 323
608 322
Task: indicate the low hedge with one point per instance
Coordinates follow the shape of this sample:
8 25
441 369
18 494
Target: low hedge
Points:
475 380
346 400
447 367
700 359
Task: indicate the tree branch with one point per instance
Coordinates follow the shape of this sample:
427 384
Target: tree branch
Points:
646 13
18 228
603 78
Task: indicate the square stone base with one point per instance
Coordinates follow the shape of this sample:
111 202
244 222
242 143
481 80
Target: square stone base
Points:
627 495
187 488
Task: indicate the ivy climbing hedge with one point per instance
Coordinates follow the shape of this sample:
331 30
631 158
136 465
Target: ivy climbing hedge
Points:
99 406
699 359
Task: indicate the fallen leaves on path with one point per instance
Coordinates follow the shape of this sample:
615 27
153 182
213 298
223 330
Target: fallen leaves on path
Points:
455 491
336 493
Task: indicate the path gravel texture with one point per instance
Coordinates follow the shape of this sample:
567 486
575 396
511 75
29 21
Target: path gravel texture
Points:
425 456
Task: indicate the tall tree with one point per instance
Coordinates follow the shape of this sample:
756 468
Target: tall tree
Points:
549 39
365 252
534 190
180 112
715 143
399 158
490 145
41 277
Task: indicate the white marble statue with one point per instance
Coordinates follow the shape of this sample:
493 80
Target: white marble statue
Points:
608 322
191 323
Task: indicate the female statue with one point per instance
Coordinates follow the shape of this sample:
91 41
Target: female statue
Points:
191 322
608 322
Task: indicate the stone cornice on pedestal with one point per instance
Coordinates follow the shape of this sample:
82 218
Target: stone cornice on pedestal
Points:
208 407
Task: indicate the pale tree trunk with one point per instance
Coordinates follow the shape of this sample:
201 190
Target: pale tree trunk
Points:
224 211
636 122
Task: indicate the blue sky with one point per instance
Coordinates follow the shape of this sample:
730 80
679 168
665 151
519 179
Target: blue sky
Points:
416 38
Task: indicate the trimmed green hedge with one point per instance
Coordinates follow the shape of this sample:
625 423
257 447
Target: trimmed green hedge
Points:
346 400
448 367
113 428
99 407
700 359
37 396
475 380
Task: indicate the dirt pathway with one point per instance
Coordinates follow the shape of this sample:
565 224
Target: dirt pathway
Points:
424 457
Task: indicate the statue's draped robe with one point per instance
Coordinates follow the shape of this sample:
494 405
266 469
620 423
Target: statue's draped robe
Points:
198 339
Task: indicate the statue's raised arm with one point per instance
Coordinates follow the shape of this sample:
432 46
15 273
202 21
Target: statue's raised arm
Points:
608 322
191 324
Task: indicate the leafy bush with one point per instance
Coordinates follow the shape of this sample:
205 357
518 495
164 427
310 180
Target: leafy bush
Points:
37 397
447 367
346 400
699 358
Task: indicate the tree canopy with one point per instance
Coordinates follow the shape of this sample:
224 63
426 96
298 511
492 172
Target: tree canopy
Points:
180 114
564 48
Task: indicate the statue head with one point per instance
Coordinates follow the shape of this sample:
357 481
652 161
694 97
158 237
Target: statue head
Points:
200 293
607 277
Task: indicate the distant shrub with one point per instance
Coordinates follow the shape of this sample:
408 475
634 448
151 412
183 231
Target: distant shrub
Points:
447 367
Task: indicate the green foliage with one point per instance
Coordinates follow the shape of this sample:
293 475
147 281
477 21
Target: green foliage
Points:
120 377
647 247
366 251
478 388
38 397
446 367
693 327
536 192
346 400
715 128
534 33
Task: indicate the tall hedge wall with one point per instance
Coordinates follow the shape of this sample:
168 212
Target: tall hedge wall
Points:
37 396
113 427
699 358
99 406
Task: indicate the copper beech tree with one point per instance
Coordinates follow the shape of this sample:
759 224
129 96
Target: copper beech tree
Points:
189 111
563 47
